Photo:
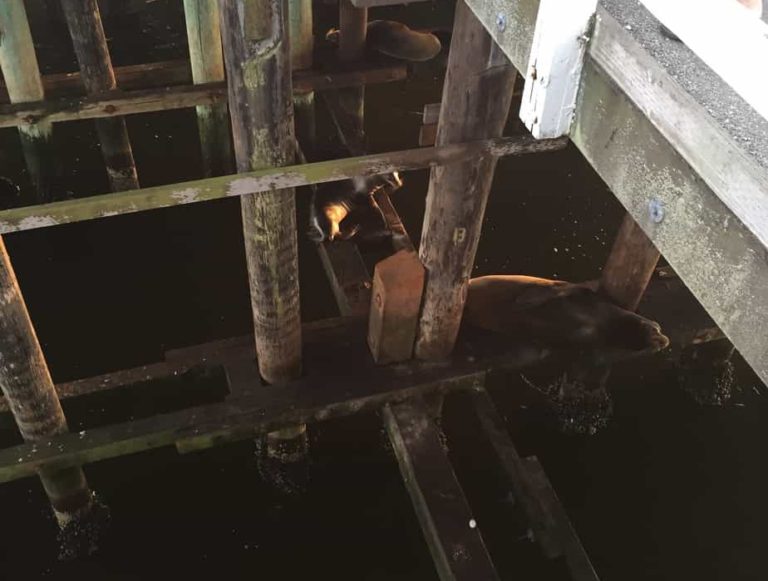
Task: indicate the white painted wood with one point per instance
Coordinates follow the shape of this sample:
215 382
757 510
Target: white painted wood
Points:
727 37
554 66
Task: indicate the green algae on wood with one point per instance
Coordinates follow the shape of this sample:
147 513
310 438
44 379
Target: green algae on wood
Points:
264 180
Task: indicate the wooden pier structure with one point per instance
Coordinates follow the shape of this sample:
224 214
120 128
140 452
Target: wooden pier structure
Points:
694 192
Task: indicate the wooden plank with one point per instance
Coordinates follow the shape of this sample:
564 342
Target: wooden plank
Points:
35 112
431 114
446 519
355 386
398 283
554 67
630 265
578 561
207 60
106 205
22 77
476 99
540 518
427 135
90 44
739 33
348 276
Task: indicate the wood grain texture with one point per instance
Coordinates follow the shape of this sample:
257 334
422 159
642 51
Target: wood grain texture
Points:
90 44
476 99
207 61
258 70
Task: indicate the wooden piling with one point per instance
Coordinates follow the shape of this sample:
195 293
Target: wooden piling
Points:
90 44
302 48
23 82
630 265
353 26
257 57
476 97
29 391
207 60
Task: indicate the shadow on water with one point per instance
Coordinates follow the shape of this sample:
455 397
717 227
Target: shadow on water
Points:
668 489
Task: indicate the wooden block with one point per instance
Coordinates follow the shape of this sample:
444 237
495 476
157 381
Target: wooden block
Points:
398 282
427 135
431 113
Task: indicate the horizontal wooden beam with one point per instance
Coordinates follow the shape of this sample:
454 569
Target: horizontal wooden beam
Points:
642 150
179 97
107 205
342 381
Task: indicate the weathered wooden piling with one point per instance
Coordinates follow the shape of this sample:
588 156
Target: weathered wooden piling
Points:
90 44
476 97
630 265
207 60
353 26
29 391
22 78
302 48
260 97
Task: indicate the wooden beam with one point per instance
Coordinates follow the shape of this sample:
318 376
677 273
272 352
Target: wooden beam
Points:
22 77
90 44
476 99
302 52
169 98
552 528
723 268
446 519
27 386
207 60
630 265
107 205
353 28
554 67
355 385
377 3
348 276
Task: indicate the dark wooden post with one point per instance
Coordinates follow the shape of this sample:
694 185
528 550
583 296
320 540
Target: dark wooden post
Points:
22 78
302 48
90 45
207 60
31 396
256 52
353 26
476 98
630 265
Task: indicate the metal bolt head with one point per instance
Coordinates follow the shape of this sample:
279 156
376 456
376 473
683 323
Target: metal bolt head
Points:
656 211
501 21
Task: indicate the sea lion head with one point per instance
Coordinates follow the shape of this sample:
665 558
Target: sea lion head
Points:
635 333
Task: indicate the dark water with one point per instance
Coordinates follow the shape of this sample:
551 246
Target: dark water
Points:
668 490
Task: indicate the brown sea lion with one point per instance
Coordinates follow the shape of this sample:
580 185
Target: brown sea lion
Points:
557 314
396 40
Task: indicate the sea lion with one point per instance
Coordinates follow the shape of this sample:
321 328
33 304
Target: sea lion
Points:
558 314
340 210
396 40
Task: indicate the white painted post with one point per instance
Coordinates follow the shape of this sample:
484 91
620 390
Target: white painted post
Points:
728 38
554 67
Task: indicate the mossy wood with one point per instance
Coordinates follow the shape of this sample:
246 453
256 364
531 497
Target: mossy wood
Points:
264 180
207 62
446 519
476 98
90 44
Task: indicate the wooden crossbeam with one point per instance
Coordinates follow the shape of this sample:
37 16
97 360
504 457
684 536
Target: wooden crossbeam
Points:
178 97
106 205
342 379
